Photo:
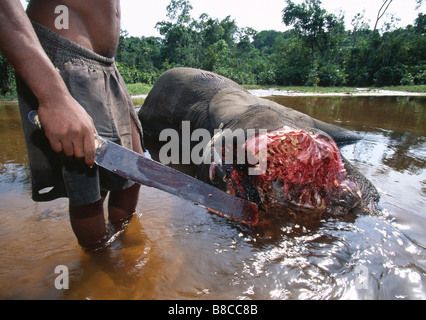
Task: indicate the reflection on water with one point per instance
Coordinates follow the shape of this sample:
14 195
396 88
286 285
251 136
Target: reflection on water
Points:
174 250
399 114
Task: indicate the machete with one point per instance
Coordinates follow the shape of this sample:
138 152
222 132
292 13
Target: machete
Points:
133 166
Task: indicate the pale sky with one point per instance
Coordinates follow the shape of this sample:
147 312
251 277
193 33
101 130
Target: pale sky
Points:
139 17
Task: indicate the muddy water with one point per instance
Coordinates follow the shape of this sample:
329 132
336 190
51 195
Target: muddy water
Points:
174 250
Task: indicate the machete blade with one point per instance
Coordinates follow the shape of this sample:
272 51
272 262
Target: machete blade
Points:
133 166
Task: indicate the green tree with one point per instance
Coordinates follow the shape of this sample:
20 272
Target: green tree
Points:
178 45
7 76
138 59
324 34
292 60
312 23
179 11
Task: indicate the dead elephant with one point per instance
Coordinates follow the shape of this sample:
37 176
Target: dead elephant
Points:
304 175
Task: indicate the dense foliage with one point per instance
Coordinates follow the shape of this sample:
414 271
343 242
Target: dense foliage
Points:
7 77
317 50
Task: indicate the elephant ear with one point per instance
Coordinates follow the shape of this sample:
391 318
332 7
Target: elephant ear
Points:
229 104
340 135
237 109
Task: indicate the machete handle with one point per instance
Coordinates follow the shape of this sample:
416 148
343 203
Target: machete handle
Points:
34 119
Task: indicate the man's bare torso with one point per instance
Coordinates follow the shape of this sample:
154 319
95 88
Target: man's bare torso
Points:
94 24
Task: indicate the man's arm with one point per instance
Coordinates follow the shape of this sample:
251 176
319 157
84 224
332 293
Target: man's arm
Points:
66 124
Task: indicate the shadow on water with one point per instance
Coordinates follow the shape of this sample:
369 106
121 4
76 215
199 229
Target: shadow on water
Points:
175 250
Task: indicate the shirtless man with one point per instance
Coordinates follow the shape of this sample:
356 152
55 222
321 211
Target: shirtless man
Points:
68 122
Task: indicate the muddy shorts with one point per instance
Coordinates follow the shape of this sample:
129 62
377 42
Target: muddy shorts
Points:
94 81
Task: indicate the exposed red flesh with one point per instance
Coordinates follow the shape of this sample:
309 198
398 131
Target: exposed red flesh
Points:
304 171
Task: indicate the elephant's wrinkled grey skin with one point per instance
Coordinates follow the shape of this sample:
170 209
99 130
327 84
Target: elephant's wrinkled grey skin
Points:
210 101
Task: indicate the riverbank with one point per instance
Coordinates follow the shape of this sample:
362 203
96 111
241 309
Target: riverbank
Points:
322 92
140 91
356 92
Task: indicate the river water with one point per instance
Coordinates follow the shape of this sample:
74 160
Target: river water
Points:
175 250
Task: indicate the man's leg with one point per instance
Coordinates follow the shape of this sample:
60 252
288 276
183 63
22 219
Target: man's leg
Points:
122 204
88 224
